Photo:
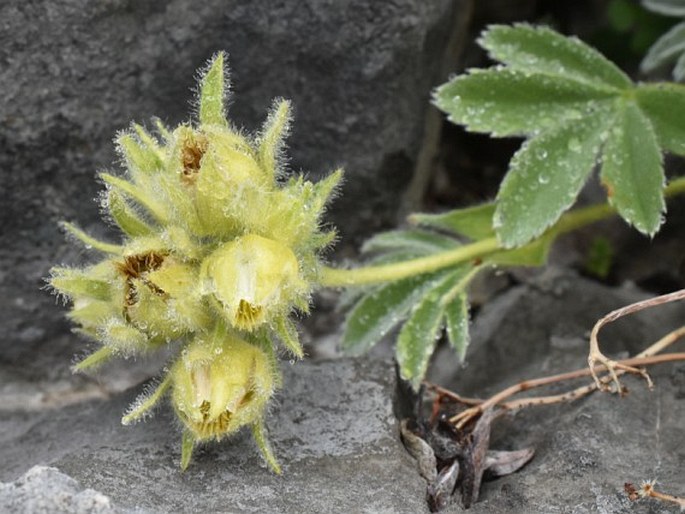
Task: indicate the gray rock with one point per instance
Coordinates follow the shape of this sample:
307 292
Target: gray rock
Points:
44 490
332 429
585 450
543 325
335 434
74 73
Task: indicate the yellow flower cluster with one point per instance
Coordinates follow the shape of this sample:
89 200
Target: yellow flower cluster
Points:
219 249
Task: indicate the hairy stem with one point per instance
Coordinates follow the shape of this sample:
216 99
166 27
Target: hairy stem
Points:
334 277
331 277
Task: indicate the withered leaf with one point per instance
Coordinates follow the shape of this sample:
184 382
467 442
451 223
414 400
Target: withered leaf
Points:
500 463
421 451
474 462
439 493
445 440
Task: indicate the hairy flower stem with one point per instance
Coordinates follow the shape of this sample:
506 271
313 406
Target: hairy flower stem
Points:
332 277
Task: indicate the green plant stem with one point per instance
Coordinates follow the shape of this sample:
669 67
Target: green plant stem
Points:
334 277
331 277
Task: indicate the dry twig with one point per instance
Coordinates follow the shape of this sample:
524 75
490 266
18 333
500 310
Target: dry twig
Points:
477 406
596 356
647 490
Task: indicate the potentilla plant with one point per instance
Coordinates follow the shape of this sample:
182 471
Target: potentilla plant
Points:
219 249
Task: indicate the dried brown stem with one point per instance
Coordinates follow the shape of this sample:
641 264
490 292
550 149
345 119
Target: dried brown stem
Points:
644 358
647 490
441 391
596 356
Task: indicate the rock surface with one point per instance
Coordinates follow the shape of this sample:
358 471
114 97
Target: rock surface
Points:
335 434
44 490
585 450
359 74
333 431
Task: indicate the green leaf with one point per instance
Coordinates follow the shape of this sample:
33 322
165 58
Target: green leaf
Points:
261 438
667 7
545 176
394 256
472 222
457 324
141 159
506 102
90 242
212 92
417 339
632 170
532 254
140 195
679 69
324 189
664 105
542 50
420 242
271 140
669 48
77 283
381 309
145 403
287 333
125 216
187 447
94 360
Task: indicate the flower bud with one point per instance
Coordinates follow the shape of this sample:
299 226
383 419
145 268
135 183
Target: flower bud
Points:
253 279
221 174
154 283
220 384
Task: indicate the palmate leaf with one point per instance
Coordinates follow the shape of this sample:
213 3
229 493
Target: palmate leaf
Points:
374 312
419 242
577 109
664 105
421 303
668 49
426 304
632 171
667 7
546 175
378 311
472 222
419 335
508 102
475 223
544 51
